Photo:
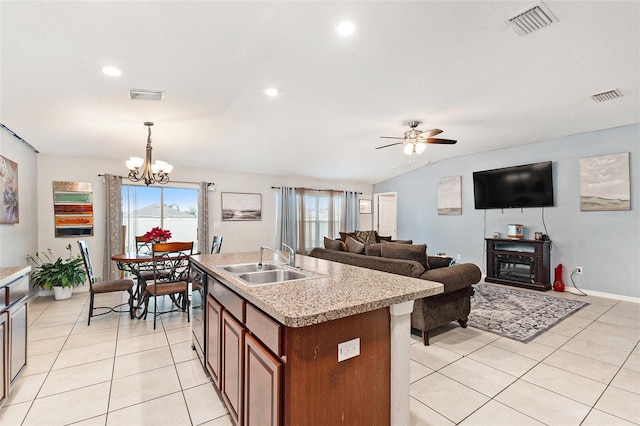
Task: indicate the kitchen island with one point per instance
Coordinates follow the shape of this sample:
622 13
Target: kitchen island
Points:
272 350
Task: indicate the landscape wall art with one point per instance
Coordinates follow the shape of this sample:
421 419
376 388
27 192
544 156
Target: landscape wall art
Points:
604 183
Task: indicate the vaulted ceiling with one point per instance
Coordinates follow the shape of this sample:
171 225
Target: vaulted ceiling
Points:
454 65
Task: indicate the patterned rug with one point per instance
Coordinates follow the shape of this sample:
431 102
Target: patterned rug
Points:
517 314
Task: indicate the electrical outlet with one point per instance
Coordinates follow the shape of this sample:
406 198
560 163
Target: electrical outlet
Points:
459 257
578 269
348 349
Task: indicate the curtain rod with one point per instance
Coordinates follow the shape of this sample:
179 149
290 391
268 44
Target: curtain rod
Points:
312 189
174 181
15 135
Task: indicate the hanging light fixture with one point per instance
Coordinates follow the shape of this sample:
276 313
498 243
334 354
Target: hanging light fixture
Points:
157 172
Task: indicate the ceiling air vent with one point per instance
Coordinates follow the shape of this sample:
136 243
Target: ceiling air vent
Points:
144 94
532 19
606 96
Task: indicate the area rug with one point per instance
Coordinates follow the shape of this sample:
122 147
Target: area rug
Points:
517 314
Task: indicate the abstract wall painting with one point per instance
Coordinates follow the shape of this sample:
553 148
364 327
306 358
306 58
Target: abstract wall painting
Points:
450 195
240 206
73 209
604 183
9 191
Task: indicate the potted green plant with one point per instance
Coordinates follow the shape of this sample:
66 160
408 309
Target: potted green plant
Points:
61 275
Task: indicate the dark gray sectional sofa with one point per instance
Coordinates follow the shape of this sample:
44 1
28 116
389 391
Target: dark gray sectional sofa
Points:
429 312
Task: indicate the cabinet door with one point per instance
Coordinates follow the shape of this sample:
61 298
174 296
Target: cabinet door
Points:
4 358
212 348
232 356
262 384
17 341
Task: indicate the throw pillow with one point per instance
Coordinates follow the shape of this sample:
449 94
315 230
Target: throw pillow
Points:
344 235
382 238
354 246
330 244
416 252
373 250
366 237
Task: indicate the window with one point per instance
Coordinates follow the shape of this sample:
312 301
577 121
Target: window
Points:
169 208
319 214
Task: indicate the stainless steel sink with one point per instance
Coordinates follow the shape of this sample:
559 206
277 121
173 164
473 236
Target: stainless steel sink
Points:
250 267
273 276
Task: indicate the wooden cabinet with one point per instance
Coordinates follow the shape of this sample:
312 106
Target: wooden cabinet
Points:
212 339
17 341
262 385
232 365
4 357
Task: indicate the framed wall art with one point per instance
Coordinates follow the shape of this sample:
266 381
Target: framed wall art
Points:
10 212
73 209
241 206
450 195
365 206
604 183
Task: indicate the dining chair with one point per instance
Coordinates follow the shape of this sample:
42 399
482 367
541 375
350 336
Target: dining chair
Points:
143 247
101 287
216 244
171 264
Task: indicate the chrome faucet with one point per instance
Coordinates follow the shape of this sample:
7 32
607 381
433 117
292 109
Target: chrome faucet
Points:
291 260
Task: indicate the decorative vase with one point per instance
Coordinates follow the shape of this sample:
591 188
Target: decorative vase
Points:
558 285
62 293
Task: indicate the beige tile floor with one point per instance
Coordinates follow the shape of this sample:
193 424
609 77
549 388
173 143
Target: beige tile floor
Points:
584 371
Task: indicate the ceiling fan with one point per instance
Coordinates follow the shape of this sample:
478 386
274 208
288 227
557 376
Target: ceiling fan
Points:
415 140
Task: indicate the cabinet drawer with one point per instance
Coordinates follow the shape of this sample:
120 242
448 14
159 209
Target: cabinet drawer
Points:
265 329
228 299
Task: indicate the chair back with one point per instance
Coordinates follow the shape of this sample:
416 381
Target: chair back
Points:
86 258
142 247
216 244
171 261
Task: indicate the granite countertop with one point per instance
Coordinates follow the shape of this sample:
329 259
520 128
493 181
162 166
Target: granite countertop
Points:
10 273
339 291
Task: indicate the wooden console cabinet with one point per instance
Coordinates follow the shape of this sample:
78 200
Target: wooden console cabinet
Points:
520 263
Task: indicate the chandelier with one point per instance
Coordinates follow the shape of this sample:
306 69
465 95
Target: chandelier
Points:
157 172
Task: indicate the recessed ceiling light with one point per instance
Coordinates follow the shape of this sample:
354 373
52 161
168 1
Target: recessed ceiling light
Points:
111 70
271 91
345 28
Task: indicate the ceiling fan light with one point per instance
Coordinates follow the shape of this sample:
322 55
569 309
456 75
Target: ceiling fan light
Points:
168 168
420 147
408 148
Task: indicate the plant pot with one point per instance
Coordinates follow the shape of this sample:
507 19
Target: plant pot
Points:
62 293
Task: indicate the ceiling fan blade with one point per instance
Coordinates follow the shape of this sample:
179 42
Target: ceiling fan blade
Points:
429 133
390 137
441 141
391 144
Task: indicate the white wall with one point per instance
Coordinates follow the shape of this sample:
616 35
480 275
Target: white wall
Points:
238 236
20 239
605 244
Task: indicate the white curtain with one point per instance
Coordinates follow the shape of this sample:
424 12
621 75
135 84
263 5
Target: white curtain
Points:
113 229
203 218
319 215
287 228
351 212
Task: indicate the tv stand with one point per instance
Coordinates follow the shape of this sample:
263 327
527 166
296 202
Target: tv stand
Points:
519 262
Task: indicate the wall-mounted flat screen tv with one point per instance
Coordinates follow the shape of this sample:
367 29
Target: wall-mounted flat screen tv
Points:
529 185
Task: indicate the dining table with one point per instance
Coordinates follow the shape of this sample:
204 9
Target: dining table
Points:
136 263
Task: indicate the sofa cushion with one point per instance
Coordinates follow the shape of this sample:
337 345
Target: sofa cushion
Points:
393 266
439 261
344 235
366 237
354 246
398 241
373 250
334 244
416 252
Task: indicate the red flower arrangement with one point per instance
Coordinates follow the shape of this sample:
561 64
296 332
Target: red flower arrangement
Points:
156 235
